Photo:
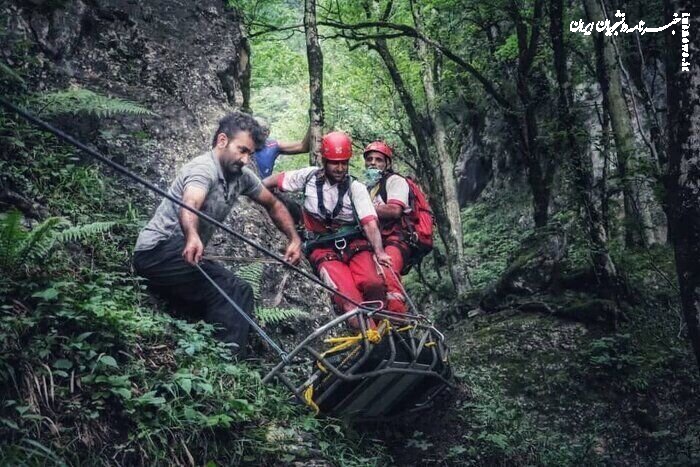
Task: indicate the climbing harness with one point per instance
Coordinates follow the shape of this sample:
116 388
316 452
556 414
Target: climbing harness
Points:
339 239
382 371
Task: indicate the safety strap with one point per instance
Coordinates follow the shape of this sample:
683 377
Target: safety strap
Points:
340 344
380 187
392 226
343 187
309 399
347 233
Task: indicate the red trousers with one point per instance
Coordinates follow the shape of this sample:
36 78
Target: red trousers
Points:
355 275
395 298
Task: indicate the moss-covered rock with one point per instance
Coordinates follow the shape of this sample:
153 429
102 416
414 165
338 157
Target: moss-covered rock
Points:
532 268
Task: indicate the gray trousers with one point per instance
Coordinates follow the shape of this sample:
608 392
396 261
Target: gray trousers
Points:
186 289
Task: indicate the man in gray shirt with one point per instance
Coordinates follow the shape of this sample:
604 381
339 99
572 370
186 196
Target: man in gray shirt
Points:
173 241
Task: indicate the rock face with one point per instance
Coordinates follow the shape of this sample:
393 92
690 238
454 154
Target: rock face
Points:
186 61
533 268
485 156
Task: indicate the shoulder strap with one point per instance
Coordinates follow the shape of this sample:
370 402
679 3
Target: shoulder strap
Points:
380 188
352 200
343 188
318 172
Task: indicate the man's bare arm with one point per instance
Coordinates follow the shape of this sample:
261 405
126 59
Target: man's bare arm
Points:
295 147
284 222
374 237
388 211
193 197
272 181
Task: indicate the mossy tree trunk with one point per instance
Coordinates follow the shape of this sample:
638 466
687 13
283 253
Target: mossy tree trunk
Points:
682 178
540 168
426 164
444 166
315 61
580 165
610 81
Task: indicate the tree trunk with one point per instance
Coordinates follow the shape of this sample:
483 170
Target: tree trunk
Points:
445 166
608 71
580 165
315 61
682 179
540 170
605 150
636 70
426 165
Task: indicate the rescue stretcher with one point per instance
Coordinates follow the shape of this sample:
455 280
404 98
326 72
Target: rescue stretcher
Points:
398 366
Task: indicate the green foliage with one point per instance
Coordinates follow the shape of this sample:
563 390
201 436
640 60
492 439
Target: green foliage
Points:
502 430
278 315
7 73
270 68
492 231
547 392
614 357
21 250
77 233
131 385
252 273
78 100
508 50
41 168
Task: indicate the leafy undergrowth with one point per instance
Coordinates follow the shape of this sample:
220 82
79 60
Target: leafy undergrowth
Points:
536 390
93 375
492 229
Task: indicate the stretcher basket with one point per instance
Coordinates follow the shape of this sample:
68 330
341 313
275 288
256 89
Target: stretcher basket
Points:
398 366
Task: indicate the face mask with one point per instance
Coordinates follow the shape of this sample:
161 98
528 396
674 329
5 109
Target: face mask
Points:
372 176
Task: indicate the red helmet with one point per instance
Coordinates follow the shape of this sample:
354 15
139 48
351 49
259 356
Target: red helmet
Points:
381 147
336 146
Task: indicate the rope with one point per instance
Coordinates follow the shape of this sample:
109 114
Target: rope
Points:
309 399
371 335
405 294
343 343
126 172
240 311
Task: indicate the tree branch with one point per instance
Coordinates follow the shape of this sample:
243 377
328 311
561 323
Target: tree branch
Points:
410 31
272 28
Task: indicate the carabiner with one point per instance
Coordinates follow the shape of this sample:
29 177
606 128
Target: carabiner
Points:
340 241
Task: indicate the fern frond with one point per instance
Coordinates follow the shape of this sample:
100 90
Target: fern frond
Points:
19 247
277 315
77 100
81 232
40 240
252 274
11 237
9 72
